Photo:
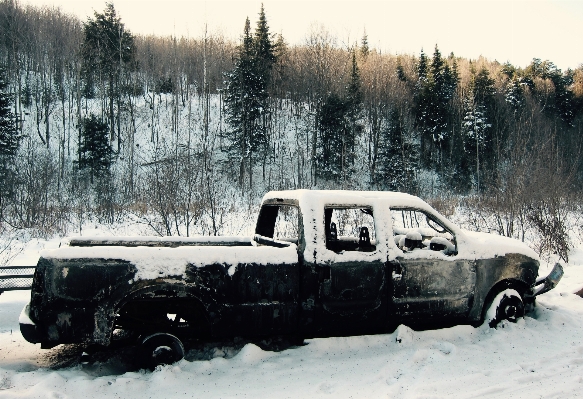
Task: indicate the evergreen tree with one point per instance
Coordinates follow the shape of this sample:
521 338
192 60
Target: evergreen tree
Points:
401 71
334 158
476 127
106 50
247 97
422 66
514 95
397 157
354 98
339 124
265 59
95 153
364 49
563 105
9 142
482 88
245 103
435 88
264 47
9 137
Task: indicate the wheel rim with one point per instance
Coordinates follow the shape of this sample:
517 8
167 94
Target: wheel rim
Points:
162 348
507 305
510 311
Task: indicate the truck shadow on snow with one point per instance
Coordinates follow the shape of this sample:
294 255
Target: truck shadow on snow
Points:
120 359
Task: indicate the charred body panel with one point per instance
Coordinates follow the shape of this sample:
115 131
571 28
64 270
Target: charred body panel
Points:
433 288
67 298
492 275
83 301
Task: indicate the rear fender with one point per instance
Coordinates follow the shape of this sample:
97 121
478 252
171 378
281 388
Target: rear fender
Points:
159 290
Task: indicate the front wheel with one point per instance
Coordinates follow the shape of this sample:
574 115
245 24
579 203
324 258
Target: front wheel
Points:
507 305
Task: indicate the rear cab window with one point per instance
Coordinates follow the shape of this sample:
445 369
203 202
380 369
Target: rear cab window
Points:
349 229
278 223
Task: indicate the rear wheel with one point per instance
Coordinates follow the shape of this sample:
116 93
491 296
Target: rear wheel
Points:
507 305
161 348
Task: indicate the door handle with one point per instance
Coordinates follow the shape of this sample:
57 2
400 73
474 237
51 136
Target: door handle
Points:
324 273
397 271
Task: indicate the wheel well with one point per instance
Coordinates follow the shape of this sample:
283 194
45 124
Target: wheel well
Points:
520 286
163 308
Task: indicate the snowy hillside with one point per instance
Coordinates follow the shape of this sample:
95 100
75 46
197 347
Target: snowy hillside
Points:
540 356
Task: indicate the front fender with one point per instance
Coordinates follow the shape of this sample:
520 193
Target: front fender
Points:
511 270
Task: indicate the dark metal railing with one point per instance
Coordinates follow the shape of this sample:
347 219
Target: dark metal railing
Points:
16 278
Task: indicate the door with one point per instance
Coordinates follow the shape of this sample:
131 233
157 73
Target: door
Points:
349 275
428 280
425 288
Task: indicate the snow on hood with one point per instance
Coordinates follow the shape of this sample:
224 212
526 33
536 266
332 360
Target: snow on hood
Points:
475 245
159 262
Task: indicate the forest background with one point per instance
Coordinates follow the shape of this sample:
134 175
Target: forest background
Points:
101 126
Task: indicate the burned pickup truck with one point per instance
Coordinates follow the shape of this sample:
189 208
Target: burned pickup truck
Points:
321 263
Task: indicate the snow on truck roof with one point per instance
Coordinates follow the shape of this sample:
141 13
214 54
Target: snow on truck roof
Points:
393 198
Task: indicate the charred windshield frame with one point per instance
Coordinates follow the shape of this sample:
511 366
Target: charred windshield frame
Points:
432 221
436 225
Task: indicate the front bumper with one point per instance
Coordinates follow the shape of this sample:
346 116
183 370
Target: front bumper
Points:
545 284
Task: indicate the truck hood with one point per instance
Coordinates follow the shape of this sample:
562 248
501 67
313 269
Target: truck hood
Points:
475 245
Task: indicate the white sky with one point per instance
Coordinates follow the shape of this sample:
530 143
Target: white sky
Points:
503 30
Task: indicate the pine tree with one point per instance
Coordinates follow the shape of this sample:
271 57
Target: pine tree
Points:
247 98
476 128
245 101
482 87
354 98
515 95
95 153
9 137
9 142
563 106
397 157
339 124
106 50
264 47
364 49
265 59
422 66
401 71
435 88
334 156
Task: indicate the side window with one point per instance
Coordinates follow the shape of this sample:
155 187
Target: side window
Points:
415 230
279 222
286 224
349 229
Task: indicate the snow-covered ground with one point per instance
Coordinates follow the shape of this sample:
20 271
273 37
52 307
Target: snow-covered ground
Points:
540 356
